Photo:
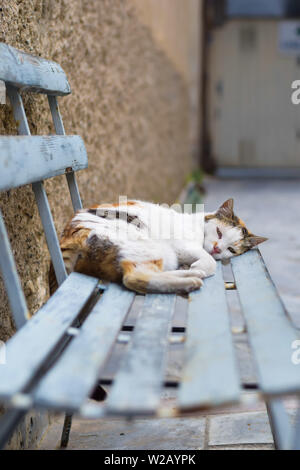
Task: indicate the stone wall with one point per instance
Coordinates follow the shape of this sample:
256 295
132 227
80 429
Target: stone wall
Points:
130 102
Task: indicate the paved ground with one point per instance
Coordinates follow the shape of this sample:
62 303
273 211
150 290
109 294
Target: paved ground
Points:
269 208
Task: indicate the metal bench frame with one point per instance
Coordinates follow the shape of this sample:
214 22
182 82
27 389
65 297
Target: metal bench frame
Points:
54 359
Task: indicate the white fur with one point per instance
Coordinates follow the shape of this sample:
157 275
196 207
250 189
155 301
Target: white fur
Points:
163 233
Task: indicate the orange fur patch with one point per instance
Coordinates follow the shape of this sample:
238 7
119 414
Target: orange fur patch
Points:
137 276
74 236
155 265
128 203
88 256
242 223
137 282
116 204
128 266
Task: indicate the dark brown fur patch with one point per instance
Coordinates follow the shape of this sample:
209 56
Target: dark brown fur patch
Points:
91 256
53 285
116 214
100 259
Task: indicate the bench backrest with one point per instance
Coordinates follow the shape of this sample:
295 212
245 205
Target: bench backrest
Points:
28 159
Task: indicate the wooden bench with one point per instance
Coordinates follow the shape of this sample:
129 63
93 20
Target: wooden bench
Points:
56 358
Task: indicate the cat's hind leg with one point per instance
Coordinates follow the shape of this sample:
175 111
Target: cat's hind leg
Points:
187 273
148 276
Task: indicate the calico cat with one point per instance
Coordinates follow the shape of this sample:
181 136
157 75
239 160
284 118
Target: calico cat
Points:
144 245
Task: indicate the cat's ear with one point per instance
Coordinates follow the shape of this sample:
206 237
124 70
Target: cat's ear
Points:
226 209
254 240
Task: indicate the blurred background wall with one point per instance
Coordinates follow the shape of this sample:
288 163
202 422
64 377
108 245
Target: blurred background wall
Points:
176 26
253 122
133 66
252 58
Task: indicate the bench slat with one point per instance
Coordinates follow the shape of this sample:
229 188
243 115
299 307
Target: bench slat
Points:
210 375
271 333
11 279
139 380
31 72
39 190
32 344
73 377
28 159
60 130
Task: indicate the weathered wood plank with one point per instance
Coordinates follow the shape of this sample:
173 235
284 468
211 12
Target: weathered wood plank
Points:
60 130
30 72
2 92
271 333
75 374
281 427
28 159
50 232
39 190
138 382
33 343
210 375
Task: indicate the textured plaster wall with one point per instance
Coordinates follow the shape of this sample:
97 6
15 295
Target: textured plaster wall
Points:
129 101
176 26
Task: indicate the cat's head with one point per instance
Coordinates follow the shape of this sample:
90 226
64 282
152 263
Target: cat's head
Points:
226 235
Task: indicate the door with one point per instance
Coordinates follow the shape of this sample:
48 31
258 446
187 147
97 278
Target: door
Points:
252 121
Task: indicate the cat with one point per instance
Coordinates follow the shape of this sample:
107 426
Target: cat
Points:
144 245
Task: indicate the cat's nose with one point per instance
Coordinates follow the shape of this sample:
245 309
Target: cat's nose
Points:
216 249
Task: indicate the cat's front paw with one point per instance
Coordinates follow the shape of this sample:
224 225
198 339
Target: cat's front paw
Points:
197 272
208 265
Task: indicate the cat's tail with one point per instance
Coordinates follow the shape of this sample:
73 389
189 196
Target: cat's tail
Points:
53 285
69 257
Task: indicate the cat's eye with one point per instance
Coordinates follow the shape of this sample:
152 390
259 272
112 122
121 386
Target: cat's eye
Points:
232 250
219 233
